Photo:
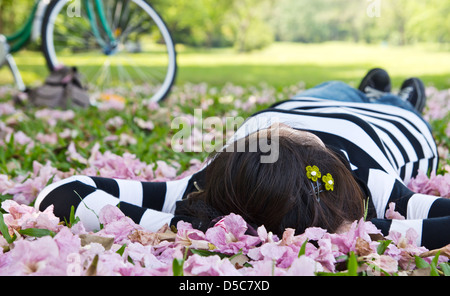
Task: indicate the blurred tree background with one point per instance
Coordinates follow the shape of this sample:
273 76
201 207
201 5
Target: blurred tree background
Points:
253 24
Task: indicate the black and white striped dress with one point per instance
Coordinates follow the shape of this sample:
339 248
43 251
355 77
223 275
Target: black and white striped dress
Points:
385 145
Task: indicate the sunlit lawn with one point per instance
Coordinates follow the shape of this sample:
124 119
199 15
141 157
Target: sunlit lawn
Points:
283 64
287 63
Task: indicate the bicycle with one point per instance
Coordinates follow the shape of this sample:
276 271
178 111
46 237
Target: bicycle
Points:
113 43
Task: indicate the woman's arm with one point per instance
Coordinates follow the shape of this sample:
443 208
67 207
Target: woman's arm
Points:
150 204
432 233
428 215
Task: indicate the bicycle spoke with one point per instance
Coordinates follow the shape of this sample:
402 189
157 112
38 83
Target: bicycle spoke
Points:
145 76
100 74
123 70
141 21
117 15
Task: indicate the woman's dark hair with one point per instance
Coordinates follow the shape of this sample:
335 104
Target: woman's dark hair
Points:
279 195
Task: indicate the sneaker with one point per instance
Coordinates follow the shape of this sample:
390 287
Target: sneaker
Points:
376 83
413 91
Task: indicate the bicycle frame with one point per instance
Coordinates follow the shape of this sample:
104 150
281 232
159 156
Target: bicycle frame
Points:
16 41
32 28
20 38
106 30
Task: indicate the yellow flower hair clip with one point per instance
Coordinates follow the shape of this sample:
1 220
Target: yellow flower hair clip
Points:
328 181
313 173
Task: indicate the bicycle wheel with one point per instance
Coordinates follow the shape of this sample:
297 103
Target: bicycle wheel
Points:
115 44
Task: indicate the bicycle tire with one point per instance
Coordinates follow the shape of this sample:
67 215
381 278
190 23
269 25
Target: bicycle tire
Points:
48 46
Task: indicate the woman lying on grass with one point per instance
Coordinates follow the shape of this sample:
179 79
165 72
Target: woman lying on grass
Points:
324 158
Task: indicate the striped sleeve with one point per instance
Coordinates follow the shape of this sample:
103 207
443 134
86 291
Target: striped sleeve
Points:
432 233
150 204
428 215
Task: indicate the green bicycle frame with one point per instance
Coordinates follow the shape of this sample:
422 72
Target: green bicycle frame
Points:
20 38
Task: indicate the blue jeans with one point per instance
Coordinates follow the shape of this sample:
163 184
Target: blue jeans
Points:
340 91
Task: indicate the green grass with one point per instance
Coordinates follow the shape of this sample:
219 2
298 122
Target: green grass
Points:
288 63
